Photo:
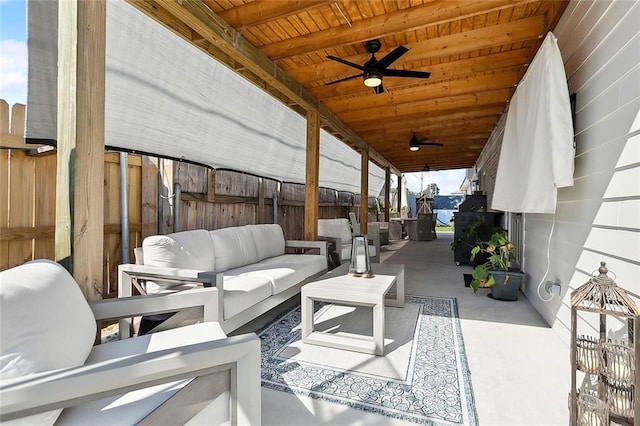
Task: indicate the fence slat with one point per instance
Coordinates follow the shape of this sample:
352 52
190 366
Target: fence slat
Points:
21 206
4 203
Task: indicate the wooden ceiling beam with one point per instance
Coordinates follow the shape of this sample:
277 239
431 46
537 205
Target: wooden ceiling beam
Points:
199 17
401 21
160 15
427 118
441 71
426 130
381 142
418 92
481 38
260 12
422 158
426 106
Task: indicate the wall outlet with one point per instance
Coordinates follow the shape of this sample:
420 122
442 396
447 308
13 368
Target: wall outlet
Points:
553 288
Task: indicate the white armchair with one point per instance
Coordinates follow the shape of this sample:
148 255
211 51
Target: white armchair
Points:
51 372
338 231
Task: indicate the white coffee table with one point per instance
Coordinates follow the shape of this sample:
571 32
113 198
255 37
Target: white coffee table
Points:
340 288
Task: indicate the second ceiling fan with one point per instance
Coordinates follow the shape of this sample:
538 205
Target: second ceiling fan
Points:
373 70
415 143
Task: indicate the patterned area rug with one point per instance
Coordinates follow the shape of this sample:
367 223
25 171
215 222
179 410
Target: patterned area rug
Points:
423 377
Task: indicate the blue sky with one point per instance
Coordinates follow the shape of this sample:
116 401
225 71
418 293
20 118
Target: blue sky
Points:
13 86
13 51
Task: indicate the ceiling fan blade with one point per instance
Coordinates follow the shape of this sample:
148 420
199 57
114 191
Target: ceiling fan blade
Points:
343 79
343 61
390 58
378 89
431 143
406 73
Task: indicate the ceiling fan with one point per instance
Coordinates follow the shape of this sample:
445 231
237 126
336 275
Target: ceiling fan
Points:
373 70
415 143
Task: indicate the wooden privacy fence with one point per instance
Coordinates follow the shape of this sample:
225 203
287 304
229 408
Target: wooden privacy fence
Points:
28 194
210 199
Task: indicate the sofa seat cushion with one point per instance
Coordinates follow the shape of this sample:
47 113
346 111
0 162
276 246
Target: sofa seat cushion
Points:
133 406
242 291
269 240
290 269
234 247
45 324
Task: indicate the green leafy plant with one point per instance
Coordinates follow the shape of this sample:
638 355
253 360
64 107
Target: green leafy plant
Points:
500 253
471 232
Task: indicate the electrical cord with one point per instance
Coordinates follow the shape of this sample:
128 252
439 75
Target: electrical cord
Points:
553 225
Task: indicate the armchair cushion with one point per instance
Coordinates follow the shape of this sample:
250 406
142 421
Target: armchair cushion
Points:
133 406
336 228
45 323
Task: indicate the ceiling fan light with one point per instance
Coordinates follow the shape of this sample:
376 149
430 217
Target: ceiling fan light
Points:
372 78
414 147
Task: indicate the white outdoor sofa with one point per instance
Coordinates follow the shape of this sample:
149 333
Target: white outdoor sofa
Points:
248 266
338 231
51 372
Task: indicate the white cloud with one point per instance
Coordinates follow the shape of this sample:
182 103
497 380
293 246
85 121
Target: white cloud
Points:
13 71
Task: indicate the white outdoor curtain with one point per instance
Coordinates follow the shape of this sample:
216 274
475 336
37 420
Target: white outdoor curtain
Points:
168 98
537 151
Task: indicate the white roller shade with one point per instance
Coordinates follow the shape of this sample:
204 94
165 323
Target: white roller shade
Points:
166 97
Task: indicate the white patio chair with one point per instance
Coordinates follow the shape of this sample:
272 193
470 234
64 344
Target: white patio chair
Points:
51 372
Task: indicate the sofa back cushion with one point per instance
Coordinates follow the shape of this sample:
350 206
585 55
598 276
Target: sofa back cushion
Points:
186 249
233 247
45 324
269 240
336 228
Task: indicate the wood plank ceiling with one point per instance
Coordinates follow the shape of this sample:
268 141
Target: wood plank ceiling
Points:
476 52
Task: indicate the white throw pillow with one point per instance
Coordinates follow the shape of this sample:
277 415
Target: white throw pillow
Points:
45 324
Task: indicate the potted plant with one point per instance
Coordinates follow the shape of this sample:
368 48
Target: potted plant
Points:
496 272
469 238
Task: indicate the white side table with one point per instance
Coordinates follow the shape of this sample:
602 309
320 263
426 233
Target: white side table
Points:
339 287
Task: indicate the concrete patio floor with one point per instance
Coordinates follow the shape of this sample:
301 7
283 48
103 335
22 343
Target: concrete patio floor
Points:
519 366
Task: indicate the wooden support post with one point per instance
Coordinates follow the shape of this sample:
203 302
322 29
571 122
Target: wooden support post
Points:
399 198
80 164
387 193
211 185
261 206
364 191
312 176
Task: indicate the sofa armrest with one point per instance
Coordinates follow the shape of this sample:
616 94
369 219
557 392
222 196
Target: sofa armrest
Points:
50 390
321 245
169 274
128 273
110 309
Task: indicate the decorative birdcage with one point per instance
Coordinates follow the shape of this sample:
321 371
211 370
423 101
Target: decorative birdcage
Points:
613 365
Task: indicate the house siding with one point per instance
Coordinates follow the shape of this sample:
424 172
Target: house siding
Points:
598 219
